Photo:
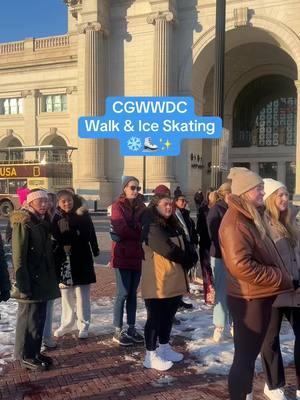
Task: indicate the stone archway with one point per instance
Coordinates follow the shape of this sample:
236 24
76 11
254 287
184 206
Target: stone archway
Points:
262 70
56 139
264 31
10 141
275 33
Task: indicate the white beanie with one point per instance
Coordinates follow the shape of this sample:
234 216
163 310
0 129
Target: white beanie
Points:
271 186
37 194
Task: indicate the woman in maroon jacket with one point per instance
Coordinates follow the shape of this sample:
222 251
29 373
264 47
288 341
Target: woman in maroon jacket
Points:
127 257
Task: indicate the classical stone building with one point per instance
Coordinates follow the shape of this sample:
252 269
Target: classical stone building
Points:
159 47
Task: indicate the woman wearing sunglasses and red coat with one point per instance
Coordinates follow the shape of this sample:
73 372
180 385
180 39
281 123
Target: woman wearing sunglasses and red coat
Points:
127 255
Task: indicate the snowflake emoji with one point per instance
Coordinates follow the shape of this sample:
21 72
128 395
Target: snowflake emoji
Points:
134 143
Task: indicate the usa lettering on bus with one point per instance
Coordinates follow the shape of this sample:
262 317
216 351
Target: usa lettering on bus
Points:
7 172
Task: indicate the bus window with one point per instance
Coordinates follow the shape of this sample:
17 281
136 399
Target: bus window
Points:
38 183
3 186
14 184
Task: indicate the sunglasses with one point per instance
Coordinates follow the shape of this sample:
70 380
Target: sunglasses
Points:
138 188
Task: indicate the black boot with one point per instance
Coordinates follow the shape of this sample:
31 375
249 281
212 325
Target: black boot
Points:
185 306
45 359
34 364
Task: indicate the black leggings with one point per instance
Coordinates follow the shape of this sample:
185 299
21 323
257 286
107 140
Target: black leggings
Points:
270 352
250 321
160 314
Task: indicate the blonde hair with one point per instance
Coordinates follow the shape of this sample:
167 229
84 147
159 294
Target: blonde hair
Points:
219 194
283 221
253 211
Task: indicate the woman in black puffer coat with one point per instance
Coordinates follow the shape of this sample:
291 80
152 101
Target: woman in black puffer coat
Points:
77 244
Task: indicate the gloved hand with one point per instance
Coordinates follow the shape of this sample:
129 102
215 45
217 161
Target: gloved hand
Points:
96 253
4 296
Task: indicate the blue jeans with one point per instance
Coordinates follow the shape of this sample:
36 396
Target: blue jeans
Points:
127 281
221 315
48 322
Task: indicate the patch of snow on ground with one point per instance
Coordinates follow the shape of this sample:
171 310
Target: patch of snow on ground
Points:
196 328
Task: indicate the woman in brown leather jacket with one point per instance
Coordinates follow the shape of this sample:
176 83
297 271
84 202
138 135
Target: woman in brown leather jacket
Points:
256 275
285 234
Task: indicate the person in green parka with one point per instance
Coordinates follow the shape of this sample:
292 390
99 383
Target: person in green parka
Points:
35 275
4 275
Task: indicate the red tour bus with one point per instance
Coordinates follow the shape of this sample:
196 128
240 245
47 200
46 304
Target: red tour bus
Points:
48 167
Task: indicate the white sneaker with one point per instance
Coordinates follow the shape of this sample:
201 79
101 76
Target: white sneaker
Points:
298 395
166 352
83 334
218 334
61 331
228 332
153 360
275 394
49 343
249 396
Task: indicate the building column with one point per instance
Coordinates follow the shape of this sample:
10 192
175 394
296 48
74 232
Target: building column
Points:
30 106
162 168
296 198
92 150
92 179
218 102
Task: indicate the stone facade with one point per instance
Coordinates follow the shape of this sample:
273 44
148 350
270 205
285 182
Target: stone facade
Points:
149 47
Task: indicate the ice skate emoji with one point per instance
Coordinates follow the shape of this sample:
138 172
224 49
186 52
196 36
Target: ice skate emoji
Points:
148 145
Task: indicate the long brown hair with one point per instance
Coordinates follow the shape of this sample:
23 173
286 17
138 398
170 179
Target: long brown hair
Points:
283 221
255 214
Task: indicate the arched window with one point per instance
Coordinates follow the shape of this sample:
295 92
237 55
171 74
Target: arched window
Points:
276 122
265 113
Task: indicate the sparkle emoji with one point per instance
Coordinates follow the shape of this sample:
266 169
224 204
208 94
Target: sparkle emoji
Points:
167 144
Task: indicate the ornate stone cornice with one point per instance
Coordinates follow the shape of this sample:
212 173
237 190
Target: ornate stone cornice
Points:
166 15
241 17
29 93
75 7
53 131
71 89
72 3
92 26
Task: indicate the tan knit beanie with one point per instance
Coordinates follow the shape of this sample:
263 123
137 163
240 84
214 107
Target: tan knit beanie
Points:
242 180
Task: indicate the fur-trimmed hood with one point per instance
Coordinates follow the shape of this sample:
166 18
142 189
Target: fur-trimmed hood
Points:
82 210
24 216
19 217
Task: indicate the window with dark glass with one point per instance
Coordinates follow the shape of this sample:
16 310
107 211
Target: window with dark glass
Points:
290 176
267 170
11 106
54 103
265 113
241 164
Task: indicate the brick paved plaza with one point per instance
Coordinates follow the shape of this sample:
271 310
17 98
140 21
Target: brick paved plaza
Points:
97 368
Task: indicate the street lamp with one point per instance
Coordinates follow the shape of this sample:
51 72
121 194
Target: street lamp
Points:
144 174
218 105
